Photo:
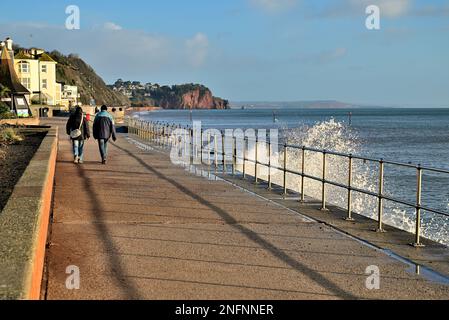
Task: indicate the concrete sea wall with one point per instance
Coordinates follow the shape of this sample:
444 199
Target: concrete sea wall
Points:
24 225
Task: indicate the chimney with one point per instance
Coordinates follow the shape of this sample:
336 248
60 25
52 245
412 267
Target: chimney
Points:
9 43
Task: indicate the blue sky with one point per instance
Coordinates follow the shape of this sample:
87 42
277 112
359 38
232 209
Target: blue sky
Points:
276 50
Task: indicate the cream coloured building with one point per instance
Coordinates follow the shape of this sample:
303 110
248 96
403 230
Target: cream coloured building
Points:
69 96
37 72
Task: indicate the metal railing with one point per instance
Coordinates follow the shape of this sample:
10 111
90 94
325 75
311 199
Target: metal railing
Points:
163 134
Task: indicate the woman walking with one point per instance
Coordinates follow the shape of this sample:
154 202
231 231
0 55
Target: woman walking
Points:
78 129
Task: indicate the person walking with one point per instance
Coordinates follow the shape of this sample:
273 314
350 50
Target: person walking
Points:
77 128
104 129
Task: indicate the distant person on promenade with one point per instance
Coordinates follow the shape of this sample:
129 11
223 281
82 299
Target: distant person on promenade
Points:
104 129
77 128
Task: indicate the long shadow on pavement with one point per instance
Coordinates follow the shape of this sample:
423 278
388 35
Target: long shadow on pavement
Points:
129 289
313 275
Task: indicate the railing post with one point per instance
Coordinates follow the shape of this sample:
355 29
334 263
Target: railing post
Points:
323 184
223 152
192 144
269 165
159 134
147 130
380 207
349 217
153 132
234 155
208 150
184 142
285 169
162 135
201 146
141 130
303 168
244 157
168 135
418 243
256 159
216 152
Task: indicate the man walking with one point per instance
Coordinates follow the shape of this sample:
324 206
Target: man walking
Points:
104 129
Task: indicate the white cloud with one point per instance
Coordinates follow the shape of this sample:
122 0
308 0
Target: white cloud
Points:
117 52
344 8
112 26
273 6
389 8
197 49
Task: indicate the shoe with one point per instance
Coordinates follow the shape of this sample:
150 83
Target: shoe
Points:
80 161
76 159
103 162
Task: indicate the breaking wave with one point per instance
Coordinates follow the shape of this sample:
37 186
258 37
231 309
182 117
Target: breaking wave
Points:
336 136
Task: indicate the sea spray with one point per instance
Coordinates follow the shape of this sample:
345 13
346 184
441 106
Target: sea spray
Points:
335 136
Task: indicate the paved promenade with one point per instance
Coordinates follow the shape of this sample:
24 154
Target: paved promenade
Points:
142 228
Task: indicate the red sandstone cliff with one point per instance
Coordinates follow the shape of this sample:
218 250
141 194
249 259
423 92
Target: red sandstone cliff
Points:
196 99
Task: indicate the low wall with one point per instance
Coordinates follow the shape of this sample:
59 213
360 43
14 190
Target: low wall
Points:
21 122
24 225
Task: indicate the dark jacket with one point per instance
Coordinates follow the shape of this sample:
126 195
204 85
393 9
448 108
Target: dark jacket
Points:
104 126
74 123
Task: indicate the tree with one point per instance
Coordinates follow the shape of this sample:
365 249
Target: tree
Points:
5 112
4 91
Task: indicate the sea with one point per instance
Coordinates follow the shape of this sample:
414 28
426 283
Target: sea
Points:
406 135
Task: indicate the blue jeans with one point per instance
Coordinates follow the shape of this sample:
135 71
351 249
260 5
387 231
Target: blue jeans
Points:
78 148
103 146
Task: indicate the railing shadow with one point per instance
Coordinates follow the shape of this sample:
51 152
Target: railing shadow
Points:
251 235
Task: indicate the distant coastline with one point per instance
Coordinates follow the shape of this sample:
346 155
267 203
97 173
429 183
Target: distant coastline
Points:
319 104
313 104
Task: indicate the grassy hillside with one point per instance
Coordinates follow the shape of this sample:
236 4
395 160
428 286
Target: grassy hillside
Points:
71 70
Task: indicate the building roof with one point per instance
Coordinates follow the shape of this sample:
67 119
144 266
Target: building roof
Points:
22 55
8 75
26 55
46 58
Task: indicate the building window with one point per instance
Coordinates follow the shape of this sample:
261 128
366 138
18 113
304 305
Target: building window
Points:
24 67
44 68
44 84
26 82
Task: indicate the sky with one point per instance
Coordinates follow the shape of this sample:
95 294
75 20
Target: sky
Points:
254 50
